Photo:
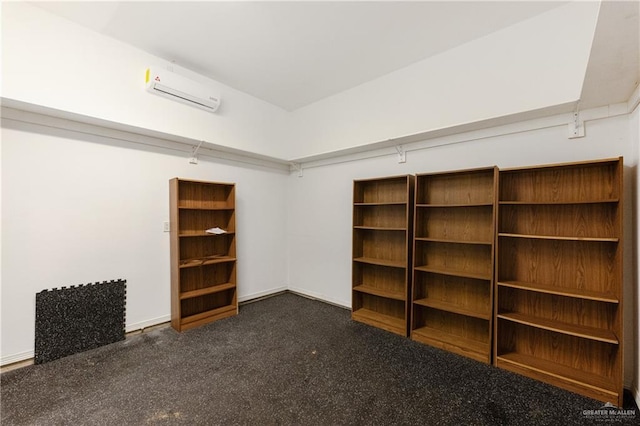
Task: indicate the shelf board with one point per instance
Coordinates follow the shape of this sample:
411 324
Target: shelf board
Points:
368 315
381 262
208 290
393 203
451 339
452 307
456 273
446 240
206 314
205 208
558 371
191 263
553 203
549 237
380 292
568 292
421 205
204 234
581 331
379 228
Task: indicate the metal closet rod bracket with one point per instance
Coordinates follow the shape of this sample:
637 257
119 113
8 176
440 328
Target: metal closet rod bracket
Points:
194 154
402 154
298 168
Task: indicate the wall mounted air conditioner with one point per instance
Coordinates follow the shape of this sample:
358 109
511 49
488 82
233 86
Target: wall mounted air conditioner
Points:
181 89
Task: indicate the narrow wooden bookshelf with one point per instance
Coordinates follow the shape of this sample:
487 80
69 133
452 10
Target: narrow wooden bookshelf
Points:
381 267
454 228
558 305
203 264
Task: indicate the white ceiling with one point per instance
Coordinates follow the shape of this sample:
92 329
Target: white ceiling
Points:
613 70
292 54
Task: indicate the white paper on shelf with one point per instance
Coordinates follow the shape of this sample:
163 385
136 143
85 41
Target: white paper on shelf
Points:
216 231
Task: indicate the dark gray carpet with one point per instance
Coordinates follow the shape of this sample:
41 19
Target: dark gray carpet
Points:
286 360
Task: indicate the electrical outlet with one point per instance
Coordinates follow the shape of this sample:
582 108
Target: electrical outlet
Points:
166 226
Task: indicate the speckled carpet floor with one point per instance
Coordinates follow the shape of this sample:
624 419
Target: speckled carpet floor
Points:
285 360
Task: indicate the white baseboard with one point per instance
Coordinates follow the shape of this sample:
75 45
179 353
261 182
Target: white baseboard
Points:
320 297
260 294
13 358
167 318
146 323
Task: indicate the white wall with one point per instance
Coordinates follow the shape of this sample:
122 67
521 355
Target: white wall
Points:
634 130
50 61
83 210
53 62
534 64
320 216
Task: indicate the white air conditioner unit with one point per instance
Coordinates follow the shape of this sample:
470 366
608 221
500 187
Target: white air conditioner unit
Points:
181 89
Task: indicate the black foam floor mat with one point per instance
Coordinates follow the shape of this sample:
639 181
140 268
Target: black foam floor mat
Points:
78 318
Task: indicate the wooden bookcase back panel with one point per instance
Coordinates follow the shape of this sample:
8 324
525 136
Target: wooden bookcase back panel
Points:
438 322
591 221
381 191
392 216
457 188
382 245
538 307
381 305
578 265
575 183
456 294
469 260
203 195
207 276
385 280
584 360
205 304
196 222
465 224
206 247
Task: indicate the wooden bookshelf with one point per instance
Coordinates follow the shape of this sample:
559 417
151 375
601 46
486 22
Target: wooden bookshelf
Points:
454 235
558 304
203 265
381 271
468 346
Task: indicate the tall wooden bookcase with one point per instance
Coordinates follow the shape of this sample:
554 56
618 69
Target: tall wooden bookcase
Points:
559 276
454 228
381 270
203 265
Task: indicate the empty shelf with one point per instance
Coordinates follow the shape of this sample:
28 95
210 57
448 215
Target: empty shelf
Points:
560 291
582 331
452 307
380 292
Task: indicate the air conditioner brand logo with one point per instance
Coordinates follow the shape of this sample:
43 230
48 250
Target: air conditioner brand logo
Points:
157 78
